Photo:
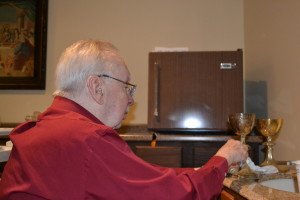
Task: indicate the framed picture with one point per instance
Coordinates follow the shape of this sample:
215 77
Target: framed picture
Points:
23 42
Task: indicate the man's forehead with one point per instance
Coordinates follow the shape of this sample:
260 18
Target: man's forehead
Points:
119 68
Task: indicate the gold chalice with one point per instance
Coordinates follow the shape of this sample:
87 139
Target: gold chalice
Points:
270 128
242 124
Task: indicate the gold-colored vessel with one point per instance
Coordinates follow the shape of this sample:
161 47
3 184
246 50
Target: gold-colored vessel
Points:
242 124
270 129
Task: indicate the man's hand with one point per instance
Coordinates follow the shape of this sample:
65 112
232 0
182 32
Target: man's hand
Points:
234 151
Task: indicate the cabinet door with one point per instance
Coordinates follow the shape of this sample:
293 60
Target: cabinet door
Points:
194 90
161 155
203 153
226 196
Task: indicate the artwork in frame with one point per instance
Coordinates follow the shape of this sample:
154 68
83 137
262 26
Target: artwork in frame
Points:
23 41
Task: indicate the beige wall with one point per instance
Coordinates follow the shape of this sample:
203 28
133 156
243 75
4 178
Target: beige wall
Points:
272 57
135 27
271 49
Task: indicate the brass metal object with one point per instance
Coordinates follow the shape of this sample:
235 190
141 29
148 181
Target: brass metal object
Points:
270 129
242 124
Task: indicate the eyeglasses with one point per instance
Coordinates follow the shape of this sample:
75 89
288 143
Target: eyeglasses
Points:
130 88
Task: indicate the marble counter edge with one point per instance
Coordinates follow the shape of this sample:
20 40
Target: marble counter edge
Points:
255 191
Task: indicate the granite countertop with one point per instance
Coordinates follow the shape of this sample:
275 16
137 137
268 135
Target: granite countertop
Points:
172 137
252 190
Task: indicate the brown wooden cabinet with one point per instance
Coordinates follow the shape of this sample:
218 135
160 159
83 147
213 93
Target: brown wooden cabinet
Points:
166 156
194 90
228 194
184 150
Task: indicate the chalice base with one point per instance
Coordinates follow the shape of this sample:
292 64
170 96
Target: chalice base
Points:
247 174
268 162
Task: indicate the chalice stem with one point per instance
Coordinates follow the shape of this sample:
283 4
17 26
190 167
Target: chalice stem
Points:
270 154
243 138
269 160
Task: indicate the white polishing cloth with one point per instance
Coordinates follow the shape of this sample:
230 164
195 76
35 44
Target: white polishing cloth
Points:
270 169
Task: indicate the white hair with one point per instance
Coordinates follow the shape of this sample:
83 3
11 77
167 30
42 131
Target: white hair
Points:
80 60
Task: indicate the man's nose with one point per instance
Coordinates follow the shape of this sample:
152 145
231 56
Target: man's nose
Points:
130 101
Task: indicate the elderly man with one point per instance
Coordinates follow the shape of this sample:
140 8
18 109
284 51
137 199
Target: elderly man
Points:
73 152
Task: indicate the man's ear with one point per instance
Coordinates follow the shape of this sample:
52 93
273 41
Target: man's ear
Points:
95 87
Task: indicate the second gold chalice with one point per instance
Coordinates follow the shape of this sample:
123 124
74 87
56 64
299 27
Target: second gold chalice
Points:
270 128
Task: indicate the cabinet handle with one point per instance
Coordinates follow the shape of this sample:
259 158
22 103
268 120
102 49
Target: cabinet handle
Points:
156 89
226 196
227 65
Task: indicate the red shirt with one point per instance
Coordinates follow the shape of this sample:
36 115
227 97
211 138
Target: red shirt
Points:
69 154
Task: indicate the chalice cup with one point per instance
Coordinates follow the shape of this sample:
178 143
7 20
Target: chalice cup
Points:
242 124
270 129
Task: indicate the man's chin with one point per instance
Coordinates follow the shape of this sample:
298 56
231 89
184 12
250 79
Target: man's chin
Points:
117 126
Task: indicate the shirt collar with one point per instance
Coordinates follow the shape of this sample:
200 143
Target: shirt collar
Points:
67 104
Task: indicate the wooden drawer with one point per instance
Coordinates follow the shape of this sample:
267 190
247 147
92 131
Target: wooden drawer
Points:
203 153
160 155
228 194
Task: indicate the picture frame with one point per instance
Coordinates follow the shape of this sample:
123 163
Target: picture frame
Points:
23 44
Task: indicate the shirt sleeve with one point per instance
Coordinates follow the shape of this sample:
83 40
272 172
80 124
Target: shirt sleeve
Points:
208 180
115 172
176 170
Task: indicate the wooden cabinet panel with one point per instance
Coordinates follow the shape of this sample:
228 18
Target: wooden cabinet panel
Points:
226 196
203 153
189 90
184 153
160 155
2 165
